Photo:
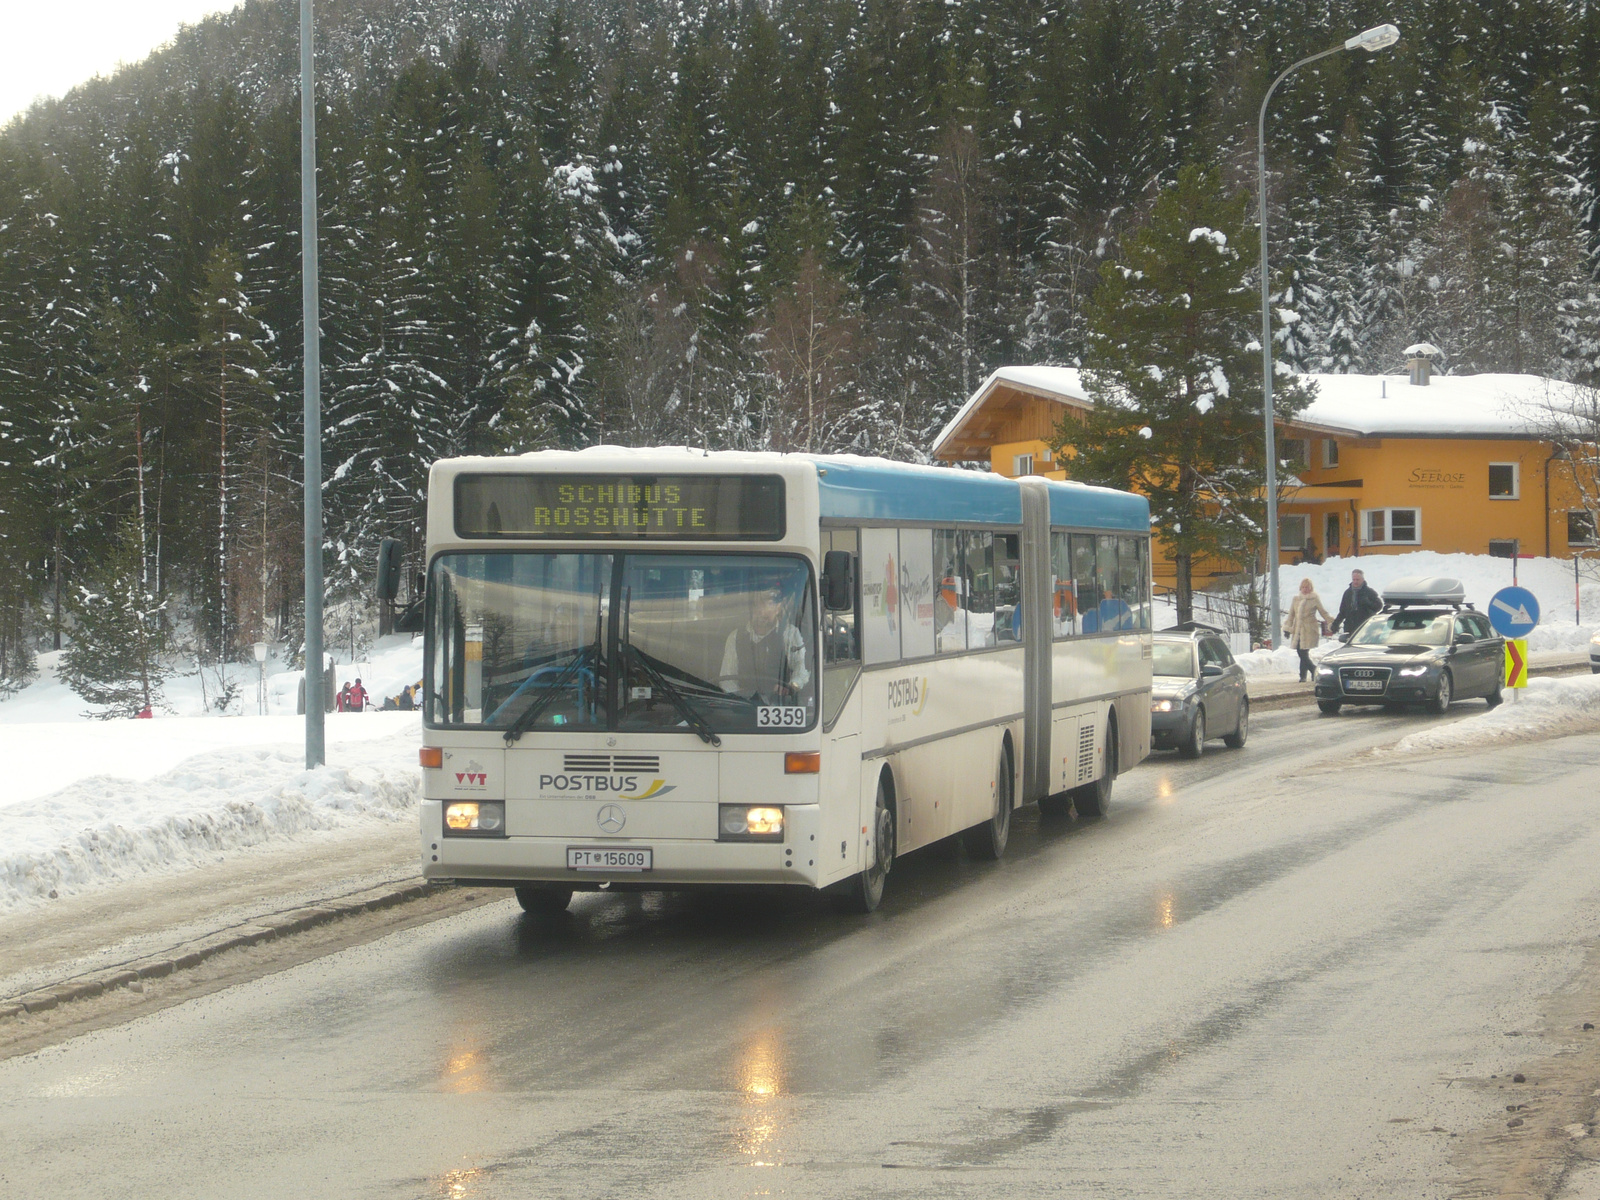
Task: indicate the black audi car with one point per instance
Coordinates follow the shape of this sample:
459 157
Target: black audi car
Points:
1427 647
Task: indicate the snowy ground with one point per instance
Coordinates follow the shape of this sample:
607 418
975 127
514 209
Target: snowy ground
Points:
91 803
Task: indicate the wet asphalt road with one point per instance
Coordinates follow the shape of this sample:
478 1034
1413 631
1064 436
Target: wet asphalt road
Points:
1277 971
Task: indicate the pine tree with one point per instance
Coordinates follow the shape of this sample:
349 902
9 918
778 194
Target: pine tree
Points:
119 634
1173 371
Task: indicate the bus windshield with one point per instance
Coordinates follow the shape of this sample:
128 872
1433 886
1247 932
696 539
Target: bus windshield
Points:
695 643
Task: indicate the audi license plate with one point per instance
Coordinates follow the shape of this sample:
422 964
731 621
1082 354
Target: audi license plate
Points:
1364 685
584 858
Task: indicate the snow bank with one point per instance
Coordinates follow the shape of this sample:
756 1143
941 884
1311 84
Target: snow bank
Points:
1548 708
1549 579
103 829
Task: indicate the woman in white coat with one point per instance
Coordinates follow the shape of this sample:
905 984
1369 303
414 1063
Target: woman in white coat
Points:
1304 625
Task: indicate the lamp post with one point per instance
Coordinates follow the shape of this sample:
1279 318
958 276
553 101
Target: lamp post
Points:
1379 37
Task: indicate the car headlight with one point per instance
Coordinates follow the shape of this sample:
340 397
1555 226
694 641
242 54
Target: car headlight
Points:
1164 705
1324 671
1413 672
467 818
1595 640
749 823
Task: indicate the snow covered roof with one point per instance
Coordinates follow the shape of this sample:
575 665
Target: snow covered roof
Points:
961 434
1473 406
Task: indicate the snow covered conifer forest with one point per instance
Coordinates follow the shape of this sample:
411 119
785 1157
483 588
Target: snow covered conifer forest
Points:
799 224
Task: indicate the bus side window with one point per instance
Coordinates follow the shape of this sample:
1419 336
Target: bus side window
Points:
1007 588
917 593
978 565
1084 585
841 633
1064 605
841 636
1129 589
880 595
949 607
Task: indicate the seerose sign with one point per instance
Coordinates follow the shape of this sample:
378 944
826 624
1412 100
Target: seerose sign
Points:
653 507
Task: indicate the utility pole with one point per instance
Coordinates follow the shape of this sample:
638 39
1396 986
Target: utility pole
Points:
316 753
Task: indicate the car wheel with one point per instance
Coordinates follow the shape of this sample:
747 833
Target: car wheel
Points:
1236 739
1329 708
538 900
1195 745
1440 701
864 892
1493 698
988 841
1093 800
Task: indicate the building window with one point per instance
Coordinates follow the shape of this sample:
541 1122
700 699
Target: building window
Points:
1330 452
1503 481
1392 526
1022 464
1502 547
1293 530
1293 451
1580 528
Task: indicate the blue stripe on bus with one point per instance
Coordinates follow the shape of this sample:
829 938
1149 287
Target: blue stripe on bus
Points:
1098 508
869 492
873 492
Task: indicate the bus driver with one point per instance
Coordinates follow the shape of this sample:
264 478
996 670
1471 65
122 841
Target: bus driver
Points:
767 656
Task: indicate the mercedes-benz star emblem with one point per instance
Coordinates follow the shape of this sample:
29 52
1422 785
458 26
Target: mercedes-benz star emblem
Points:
611 818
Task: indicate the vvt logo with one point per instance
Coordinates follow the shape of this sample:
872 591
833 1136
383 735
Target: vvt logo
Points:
474 775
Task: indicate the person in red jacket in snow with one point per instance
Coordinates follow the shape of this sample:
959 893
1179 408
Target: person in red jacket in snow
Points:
358 697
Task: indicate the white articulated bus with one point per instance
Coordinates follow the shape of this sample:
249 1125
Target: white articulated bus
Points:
665 668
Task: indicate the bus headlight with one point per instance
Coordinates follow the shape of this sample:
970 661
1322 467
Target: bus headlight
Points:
486 817
749 823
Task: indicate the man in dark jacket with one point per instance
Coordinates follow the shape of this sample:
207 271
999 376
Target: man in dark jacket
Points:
1357 604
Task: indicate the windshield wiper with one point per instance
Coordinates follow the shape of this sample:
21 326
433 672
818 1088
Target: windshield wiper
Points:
536 710
674 695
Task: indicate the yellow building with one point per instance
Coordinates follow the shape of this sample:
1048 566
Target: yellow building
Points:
1384 464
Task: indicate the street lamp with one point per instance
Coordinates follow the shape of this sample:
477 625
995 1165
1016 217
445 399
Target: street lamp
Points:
1379 37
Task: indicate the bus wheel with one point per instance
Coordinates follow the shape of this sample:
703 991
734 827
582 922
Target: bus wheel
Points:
988 841
1093 799
541 901
864 893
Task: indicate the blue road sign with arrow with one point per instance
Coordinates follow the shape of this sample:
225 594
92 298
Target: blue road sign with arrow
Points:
1513 611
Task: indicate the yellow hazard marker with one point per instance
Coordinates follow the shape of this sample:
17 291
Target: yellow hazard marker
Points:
1516 662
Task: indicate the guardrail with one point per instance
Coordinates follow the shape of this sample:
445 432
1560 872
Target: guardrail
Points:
1225 612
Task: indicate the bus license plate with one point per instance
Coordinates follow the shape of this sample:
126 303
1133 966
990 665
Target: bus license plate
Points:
581 858
1365 685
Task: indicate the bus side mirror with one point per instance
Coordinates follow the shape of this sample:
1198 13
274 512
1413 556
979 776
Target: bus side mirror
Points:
838 581
388 582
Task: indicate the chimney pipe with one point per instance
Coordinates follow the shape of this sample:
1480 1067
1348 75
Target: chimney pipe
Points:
1420 362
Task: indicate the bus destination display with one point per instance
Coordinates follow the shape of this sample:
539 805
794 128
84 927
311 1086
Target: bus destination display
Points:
664 507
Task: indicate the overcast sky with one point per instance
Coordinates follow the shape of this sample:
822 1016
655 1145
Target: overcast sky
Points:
50 46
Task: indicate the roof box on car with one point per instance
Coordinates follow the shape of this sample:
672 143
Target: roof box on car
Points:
1425 589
